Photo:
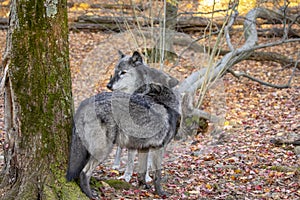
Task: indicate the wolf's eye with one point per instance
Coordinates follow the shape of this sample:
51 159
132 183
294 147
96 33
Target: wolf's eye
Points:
123 72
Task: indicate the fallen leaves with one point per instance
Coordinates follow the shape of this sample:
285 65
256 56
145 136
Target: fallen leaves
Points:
246 166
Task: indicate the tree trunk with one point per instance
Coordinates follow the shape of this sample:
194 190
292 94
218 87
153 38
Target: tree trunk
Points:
170 24
165 45
38 102
171 16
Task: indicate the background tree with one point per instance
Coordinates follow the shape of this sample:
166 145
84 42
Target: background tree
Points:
38 102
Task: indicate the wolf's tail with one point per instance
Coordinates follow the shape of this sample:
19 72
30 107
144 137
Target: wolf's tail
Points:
78 156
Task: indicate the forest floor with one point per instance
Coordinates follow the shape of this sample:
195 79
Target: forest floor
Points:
238 162
243 164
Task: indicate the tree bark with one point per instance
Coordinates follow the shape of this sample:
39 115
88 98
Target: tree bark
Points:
170 24
38 102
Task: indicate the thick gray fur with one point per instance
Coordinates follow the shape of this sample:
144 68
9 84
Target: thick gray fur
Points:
130 74
100 122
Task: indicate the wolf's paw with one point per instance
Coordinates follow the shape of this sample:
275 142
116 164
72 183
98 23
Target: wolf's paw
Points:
145 186
148 178
126 177
95 195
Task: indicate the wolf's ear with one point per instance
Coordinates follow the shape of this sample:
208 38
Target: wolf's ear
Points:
122 55
172 82
136 57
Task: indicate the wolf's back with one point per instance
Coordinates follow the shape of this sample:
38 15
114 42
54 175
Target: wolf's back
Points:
78 156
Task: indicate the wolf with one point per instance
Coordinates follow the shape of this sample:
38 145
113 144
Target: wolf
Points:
131 73
146 119
143 76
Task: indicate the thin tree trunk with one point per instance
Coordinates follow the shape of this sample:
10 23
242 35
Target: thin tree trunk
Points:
38 102
171 20
167 33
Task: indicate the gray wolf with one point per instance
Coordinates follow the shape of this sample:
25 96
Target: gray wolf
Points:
146 119
138 74
131 73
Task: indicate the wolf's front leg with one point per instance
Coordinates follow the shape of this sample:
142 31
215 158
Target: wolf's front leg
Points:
130 164
142 167
157 156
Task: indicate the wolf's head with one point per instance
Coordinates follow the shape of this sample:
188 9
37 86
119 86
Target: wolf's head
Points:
131 74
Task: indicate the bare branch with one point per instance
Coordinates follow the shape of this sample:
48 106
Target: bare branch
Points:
274 57
196 79
229 25
294 69
261 46
243 74
191 44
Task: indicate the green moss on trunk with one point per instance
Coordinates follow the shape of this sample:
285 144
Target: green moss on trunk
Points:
40 79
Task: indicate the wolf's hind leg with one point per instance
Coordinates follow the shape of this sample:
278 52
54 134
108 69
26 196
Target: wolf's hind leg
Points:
130 164
157 156
86 174
117 161
88 169
142 167
149 166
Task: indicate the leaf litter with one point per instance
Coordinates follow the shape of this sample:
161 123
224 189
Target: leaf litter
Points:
245 165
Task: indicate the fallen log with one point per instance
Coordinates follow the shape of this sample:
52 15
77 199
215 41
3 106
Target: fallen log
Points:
184 24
